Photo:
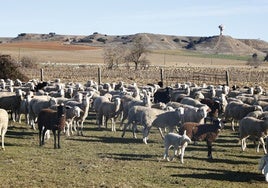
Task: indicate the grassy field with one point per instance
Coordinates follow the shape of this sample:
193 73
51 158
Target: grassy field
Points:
102 158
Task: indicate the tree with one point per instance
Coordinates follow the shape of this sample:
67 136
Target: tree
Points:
254 61
137 53
114 56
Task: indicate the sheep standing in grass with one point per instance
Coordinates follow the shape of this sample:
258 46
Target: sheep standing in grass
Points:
237 111
109 110
178 142
169 119
263 166
250 126
3 125
49 119
205 132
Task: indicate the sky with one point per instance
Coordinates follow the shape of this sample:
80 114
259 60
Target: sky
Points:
243 19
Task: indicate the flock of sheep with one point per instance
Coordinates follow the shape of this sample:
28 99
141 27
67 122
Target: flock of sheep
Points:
187 112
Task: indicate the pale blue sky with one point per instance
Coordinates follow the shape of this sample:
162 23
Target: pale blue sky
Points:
241 18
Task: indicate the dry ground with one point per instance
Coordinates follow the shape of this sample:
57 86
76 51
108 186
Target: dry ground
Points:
57 52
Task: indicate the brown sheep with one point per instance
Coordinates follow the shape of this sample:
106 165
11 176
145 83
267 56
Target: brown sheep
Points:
203 132
49 119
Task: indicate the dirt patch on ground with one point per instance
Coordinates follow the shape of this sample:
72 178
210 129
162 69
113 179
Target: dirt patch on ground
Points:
47 46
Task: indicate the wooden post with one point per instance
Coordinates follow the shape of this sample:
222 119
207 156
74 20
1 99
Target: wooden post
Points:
227 78
99 75
41 75
161 75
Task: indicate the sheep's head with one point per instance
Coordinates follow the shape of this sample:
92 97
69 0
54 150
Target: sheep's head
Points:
185 139
218 122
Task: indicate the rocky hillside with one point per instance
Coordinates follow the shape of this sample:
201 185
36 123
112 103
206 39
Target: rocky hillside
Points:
219 44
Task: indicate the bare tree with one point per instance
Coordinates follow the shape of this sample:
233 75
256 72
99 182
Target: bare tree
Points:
114 56
137 53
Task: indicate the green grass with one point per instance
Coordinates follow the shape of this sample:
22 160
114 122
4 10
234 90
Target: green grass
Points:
202 55
102 158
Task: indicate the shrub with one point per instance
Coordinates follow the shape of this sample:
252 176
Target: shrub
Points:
10 69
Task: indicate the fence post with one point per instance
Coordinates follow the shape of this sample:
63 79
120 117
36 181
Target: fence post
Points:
161 75
227 78
41 74
99 75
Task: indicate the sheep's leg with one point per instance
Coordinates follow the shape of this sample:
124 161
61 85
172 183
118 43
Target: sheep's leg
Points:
58 139
182 152
263 145
43 135
134 128
161 133
166 157
243 144
124 130
3 138
145 134
113 125
55 139
209 145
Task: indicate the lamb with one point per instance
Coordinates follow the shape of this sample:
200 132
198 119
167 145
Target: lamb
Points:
236 111
205 132
170 119
49 119
250 126
3 125
263 166
97 102
84 105
110 110
178 142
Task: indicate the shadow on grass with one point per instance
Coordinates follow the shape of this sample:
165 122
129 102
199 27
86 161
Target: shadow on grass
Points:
222 175
106 139
127 157
20 132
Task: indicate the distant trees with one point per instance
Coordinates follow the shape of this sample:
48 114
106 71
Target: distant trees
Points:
134 52
254 61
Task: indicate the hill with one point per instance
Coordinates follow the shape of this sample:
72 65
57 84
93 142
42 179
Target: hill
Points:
220 44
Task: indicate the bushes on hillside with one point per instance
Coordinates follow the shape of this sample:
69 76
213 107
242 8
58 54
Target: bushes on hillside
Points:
10 69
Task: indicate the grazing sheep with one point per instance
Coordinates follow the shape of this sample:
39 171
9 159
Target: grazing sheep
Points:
237 111
170 119
263 166
203 132
256 128
178 142
49 119
109 110
3 125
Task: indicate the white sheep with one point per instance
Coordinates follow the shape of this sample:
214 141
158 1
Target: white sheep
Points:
97 102
169 119
179 142
109 110
236 111
84 105
3 125
250 126
193 114
263 166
